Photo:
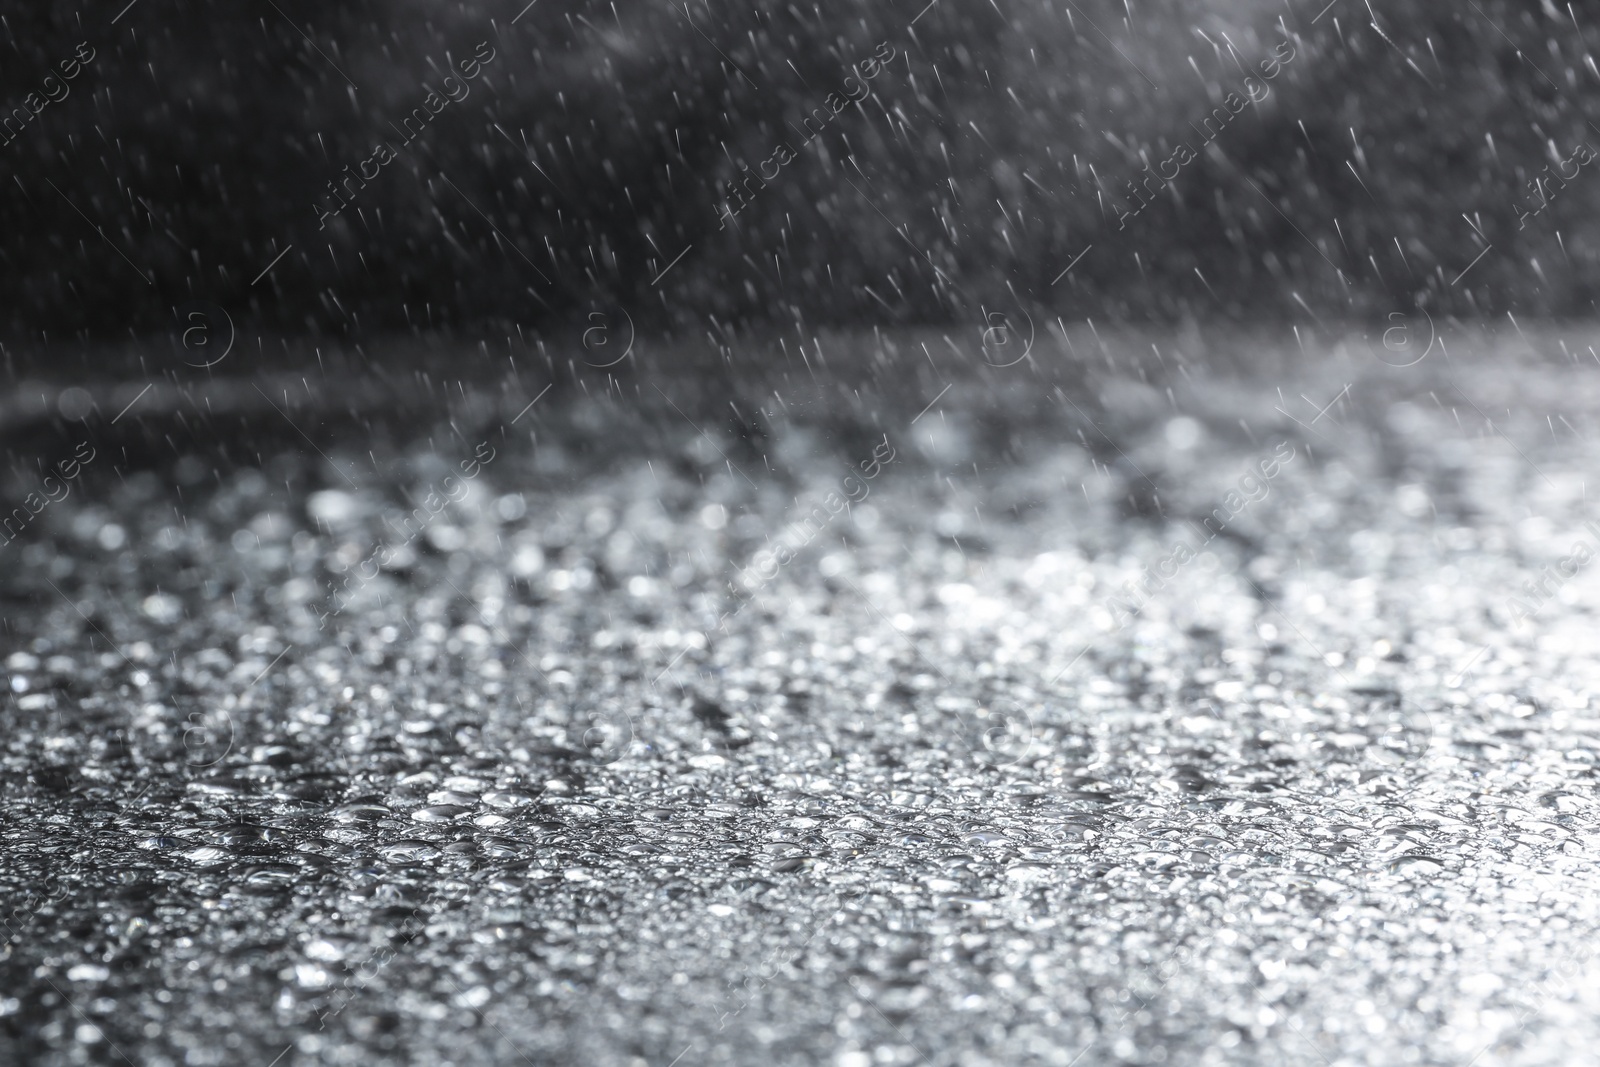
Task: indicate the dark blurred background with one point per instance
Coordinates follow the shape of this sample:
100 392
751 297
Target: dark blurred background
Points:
1394 147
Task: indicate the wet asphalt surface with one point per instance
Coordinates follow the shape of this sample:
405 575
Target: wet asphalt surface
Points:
423 726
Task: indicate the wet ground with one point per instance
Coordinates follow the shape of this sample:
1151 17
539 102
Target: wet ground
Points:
1116 712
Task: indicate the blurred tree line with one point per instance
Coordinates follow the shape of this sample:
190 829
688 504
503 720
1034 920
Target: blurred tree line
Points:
599 143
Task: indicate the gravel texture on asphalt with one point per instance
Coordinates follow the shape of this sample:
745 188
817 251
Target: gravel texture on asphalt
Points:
1249 722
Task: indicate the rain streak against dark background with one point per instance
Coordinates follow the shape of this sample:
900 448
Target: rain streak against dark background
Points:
598 143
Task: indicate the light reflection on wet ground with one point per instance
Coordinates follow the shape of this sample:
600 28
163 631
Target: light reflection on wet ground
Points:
988 771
